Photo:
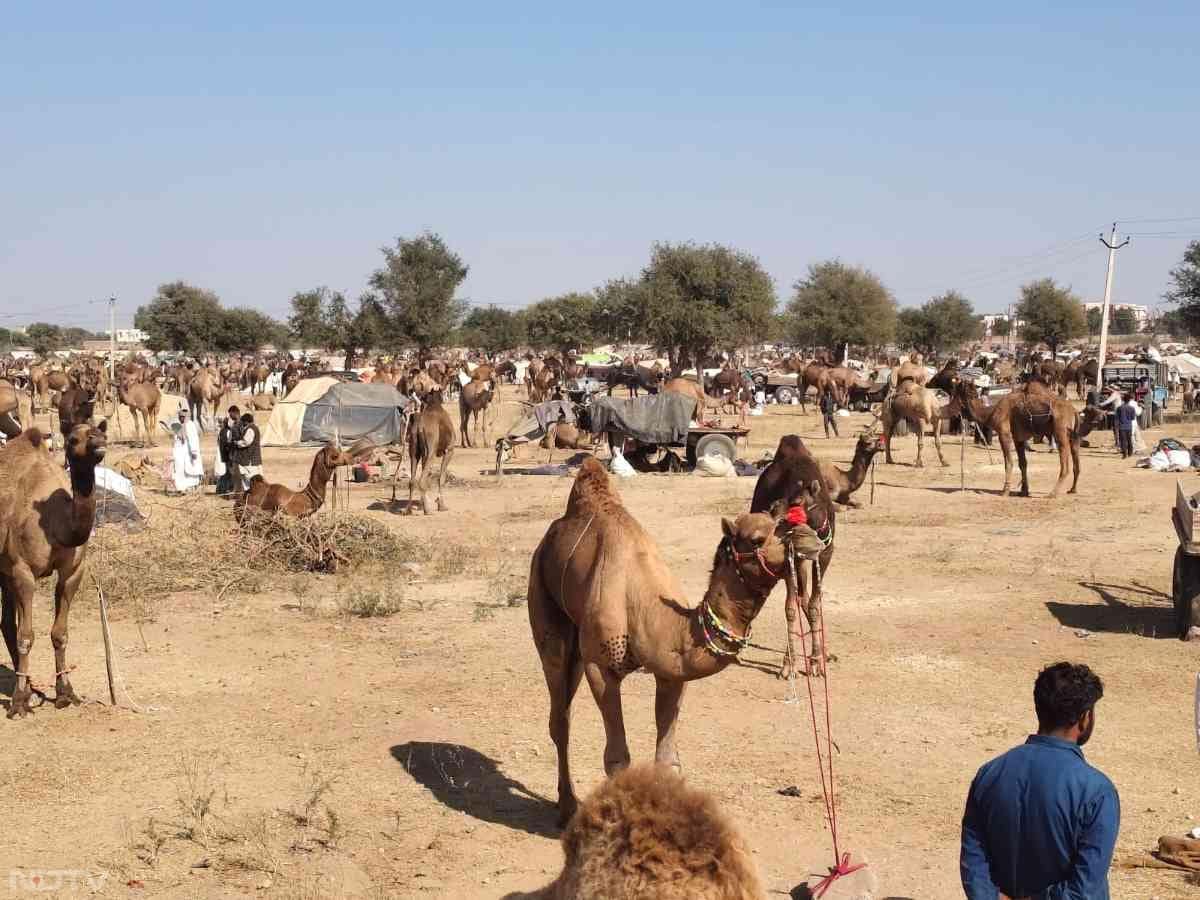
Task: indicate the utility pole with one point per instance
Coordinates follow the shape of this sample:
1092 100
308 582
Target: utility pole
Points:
112 340
1113 247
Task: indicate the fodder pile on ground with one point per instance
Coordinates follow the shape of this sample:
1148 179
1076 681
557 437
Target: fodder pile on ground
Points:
192 544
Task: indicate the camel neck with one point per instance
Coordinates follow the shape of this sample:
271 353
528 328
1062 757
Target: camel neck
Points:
318 480
859 466
730 600
83 504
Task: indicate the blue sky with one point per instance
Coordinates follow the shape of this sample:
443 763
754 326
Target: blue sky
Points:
260 149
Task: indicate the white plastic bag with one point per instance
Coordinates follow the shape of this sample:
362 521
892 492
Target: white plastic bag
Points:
715 465
620 467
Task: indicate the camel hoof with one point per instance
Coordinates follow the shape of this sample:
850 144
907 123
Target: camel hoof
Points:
945 465
66 697
441 505
18 707
918 465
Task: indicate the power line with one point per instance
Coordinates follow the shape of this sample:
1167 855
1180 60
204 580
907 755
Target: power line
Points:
1143 221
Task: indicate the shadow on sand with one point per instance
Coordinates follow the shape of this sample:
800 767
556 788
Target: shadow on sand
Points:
465 780
1121 610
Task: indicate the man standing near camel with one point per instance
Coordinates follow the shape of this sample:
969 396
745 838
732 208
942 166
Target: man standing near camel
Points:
1040 822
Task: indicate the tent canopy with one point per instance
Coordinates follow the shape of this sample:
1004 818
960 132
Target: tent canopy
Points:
323 410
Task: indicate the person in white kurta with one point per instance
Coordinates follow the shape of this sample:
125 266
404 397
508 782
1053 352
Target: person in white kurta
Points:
185 454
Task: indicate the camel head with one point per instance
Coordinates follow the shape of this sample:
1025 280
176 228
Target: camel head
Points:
870 441
86 444
1090 419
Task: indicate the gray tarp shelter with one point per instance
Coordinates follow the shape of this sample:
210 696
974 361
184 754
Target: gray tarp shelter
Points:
317 414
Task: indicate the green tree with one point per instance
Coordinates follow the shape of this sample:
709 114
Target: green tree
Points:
1184 289
416 287
1169 322
1124 321
1002 326
44 338
619 314
942 323
493 329
245 330
307 320
181 317
74 337
1094 320
914 329
562 323
7 339
1052 314
839 304
702 298
350 332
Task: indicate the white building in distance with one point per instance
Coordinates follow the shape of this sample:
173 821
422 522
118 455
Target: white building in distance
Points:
1141 314
129 335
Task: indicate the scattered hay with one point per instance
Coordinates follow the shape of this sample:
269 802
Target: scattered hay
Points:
192 544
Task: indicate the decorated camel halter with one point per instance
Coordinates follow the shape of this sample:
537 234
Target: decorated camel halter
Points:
713 630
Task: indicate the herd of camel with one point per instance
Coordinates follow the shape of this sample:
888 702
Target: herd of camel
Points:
602 602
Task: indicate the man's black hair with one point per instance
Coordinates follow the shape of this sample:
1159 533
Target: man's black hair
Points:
1062 694
247 419
233 410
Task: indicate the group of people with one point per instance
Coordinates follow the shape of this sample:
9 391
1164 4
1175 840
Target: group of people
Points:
238 459
1126 410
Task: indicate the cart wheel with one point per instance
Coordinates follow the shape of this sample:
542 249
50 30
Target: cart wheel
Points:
1185 590
714 445
784 394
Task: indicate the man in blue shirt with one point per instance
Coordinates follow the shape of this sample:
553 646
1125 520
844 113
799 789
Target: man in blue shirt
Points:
1041 823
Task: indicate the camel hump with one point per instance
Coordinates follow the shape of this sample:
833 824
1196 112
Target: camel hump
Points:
592 491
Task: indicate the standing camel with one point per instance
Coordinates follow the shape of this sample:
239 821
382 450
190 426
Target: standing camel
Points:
474 400
602 603
45 522
430 435
794 478
1034 410
141 397
918 406
205 387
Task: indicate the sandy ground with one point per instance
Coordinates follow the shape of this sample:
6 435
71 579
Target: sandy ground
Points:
289 753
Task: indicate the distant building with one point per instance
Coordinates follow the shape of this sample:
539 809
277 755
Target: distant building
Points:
1141 314
130 335
989 324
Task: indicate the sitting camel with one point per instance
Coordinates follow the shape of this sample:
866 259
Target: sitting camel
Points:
266 497
794 473
842 483
646 833
16 409
430 435
45 523
918 406
602 603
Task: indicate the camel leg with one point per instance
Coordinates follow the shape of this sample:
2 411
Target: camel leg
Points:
441 482
814 611
889 425
937 441
557 641
1006 447
415 481
1023 463
920 432
1064 467
1074 438
795 644
18 634
606 689
64 593
668 696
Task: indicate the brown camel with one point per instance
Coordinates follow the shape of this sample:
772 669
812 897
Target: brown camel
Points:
912 368
269 498
688 388
1035 410
45 523
205 387
262 402
918 406
430 435
473 401
794 478
16 409
646 833
141 397
603 603
815 375
842 483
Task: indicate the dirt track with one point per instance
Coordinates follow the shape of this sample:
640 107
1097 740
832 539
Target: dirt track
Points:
425 733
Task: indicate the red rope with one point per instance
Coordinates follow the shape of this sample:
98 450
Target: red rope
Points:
841 862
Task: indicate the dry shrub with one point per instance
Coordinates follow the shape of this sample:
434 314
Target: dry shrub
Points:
196 545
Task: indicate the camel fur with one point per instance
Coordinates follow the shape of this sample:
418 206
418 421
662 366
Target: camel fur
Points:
918 406
46 519
266 497
646 833
602 603
794 478
841 483
430 435
473 401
